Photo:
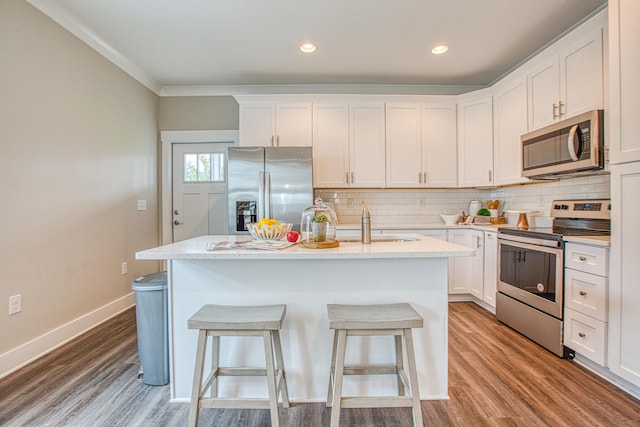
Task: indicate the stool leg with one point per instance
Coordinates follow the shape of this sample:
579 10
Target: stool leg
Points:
413 378
399 364
197 378
282 386
332 369
271 379
215 363
337 383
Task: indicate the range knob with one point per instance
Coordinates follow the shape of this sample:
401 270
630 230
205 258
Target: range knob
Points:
565 207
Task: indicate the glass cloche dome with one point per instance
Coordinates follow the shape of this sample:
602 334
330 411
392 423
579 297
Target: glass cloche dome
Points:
318 224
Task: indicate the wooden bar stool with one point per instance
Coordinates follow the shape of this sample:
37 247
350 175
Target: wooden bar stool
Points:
370 320
219 320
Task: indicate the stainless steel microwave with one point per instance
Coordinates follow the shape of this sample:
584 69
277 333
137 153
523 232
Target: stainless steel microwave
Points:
569 147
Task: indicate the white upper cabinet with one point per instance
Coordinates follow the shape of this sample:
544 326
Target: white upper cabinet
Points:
404 145
330 145
510 122
570 81
421 145
475 142
624 84
439 146
367 145
348 145
275 124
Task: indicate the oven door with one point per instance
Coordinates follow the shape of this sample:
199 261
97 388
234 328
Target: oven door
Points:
532 274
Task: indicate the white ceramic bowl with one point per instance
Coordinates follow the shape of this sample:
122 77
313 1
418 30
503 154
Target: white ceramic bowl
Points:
269 232
450 219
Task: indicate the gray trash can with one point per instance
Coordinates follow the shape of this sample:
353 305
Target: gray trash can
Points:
152 323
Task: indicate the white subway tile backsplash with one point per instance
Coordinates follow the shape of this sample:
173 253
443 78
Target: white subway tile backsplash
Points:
408 206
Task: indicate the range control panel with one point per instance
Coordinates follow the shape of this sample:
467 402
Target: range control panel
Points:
596 209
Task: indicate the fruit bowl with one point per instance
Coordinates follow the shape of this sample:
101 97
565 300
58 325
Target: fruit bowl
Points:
262 231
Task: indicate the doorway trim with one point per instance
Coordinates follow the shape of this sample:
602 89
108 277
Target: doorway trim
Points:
168 138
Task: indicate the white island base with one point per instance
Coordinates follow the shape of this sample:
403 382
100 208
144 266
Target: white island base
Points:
306 280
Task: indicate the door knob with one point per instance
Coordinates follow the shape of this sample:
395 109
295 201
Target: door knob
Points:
176 222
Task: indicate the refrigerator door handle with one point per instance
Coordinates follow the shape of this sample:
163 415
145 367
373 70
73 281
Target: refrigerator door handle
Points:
267 194
260 196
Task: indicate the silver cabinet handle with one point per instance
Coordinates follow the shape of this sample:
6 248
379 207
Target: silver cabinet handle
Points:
555 107
425 177
346 176
272 142
278 141
419 177
560 105
352 180
490 175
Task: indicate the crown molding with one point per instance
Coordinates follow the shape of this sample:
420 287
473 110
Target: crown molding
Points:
71 23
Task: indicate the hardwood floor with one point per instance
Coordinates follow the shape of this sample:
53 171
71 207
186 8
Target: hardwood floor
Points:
496 378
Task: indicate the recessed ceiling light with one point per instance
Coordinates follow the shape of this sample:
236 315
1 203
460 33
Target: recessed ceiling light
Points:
440 49
308 47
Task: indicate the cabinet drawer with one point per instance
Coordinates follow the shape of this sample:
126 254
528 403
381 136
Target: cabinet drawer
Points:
586 293
590 259
585 335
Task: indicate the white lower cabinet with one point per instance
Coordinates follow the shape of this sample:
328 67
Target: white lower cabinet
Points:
490 267
466 273
586 303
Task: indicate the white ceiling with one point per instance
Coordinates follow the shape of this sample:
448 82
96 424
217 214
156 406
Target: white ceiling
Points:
366 42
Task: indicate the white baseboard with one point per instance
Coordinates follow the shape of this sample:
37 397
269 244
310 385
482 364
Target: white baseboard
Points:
20 356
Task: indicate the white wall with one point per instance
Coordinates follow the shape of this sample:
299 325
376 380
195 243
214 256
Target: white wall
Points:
78 148
424 206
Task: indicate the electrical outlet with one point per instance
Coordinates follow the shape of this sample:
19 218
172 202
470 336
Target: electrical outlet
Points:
124 268
15 304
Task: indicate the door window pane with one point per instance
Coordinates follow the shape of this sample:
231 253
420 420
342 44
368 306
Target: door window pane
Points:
204 167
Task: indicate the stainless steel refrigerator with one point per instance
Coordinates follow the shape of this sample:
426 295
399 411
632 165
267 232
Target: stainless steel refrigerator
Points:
268 182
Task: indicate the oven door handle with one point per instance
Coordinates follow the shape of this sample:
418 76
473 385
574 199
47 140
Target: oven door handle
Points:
530 240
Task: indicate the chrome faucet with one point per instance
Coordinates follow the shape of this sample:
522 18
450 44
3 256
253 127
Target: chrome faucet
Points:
366 225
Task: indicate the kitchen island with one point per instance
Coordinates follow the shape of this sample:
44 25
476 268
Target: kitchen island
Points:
306 280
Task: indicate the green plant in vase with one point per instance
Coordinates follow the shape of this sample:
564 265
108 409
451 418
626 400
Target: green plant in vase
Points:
319 227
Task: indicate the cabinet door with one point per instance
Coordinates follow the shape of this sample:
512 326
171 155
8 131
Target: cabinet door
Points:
543 86
475 143
624 63
624 271
460 267
367 145
439 147
510 122
581 80
476 286
293 125
404 146
490 267
330 145
257 125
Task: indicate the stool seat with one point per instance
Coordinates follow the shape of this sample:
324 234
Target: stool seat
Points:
247 318
396 320
217 321
386 316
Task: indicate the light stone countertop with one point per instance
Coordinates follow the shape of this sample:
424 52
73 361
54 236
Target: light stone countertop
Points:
196 248
417 226
590 240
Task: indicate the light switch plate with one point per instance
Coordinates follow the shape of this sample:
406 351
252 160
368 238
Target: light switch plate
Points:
142 205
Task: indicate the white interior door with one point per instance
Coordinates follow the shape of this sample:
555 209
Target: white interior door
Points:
199 191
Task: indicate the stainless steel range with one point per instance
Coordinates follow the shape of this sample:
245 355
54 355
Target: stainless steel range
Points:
530 295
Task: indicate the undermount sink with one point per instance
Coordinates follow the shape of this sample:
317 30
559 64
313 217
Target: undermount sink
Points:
379 238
